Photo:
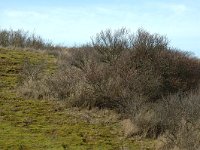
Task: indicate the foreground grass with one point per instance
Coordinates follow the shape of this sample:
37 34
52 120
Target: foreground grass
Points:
36 124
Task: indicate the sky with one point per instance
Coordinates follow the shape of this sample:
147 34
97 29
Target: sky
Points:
74 22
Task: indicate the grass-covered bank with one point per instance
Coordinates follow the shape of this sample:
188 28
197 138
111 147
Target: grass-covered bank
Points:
40 124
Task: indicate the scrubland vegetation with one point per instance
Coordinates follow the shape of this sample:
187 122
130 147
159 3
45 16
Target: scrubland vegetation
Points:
135 83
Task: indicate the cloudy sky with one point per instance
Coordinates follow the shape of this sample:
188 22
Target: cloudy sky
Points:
72 22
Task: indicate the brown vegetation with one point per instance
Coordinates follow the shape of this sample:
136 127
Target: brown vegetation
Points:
138 75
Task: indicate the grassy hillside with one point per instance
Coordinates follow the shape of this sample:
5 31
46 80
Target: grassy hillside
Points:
121 91
40 124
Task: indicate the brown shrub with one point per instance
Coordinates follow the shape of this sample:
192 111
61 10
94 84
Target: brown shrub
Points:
119 67
180 116
62 85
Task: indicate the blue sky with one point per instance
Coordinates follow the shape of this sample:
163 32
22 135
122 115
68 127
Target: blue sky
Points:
72 22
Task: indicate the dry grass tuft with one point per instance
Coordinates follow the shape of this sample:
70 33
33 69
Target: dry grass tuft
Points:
129 128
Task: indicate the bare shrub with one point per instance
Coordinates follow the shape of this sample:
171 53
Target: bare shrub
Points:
65 85
81 58
62 85
22 39
31 71
175 117
109 45
179 70
180 116
31 79
4 38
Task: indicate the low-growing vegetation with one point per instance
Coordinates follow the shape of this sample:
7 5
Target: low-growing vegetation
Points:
153 86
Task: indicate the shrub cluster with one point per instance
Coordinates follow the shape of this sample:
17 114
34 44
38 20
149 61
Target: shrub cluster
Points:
178 116
118 66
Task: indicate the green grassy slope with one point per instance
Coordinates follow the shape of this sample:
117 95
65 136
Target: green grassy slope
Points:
35 124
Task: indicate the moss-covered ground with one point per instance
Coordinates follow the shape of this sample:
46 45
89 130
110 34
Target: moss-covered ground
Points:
39 125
